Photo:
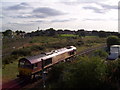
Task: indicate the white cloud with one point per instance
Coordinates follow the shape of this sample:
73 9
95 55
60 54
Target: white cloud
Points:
74 14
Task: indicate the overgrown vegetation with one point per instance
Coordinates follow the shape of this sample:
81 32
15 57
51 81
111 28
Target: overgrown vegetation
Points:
23 47
15 48
86 72
112 40
10 72
100 53
68 35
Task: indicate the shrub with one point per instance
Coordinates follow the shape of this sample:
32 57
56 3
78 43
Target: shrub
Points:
36 48
100 53
21 52
79 43
85 73
56 72
9 59
112 40
113 71
56 45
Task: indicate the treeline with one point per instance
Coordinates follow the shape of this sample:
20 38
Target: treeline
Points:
53 32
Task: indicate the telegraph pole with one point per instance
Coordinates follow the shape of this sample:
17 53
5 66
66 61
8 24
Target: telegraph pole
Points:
38 28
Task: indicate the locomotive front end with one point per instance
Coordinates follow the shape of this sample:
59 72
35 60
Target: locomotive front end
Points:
24 68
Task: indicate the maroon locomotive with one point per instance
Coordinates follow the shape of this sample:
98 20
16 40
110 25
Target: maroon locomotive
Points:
30 66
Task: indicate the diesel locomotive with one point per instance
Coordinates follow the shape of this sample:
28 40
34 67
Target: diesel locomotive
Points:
31 66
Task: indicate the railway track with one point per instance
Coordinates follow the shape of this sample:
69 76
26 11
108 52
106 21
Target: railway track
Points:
14 84
86 51
19 83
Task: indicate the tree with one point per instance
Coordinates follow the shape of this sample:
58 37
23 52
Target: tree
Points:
95 33
102 34
112 40
8 33
50 32
19 32
81 32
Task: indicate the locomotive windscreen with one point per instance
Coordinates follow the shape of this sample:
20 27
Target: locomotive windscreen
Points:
24 64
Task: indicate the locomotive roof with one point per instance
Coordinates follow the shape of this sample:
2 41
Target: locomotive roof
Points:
44 56
34 59
115 46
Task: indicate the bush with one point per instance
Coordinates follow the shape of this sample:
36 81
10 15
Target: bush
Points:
100 53
112 40
79 43
9 59
85 73
22 52
113 71
56 45
36 48
56 72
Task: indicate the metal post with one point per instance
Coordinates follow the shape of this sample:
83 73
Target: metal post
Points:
43 75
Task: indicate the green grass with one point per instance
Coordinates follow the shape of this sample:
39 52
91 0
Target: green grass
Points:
68 35
0 71
91 36
43 39
10 71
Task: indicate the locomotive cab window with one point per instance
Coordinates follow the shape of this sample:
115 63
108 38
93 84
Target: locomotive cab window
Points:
21 64
47 61
35 65
24 64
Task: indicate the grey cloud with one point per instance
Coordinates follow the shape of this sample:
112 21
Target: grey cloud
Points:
98 19
30 16
60 20
48 11
25 4
96 10
38 16
99 2
20 23
20 6
105 6
42 12
77 2
39 21
65 20
71 3
94 19
1 17
90 1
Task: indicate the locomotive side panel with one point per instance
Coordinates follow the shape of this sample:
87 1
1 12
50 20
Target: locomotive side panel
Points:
60 57
37 67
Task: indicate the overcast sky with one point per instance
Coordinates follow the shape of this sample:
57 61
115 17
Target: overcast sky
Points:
28 15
